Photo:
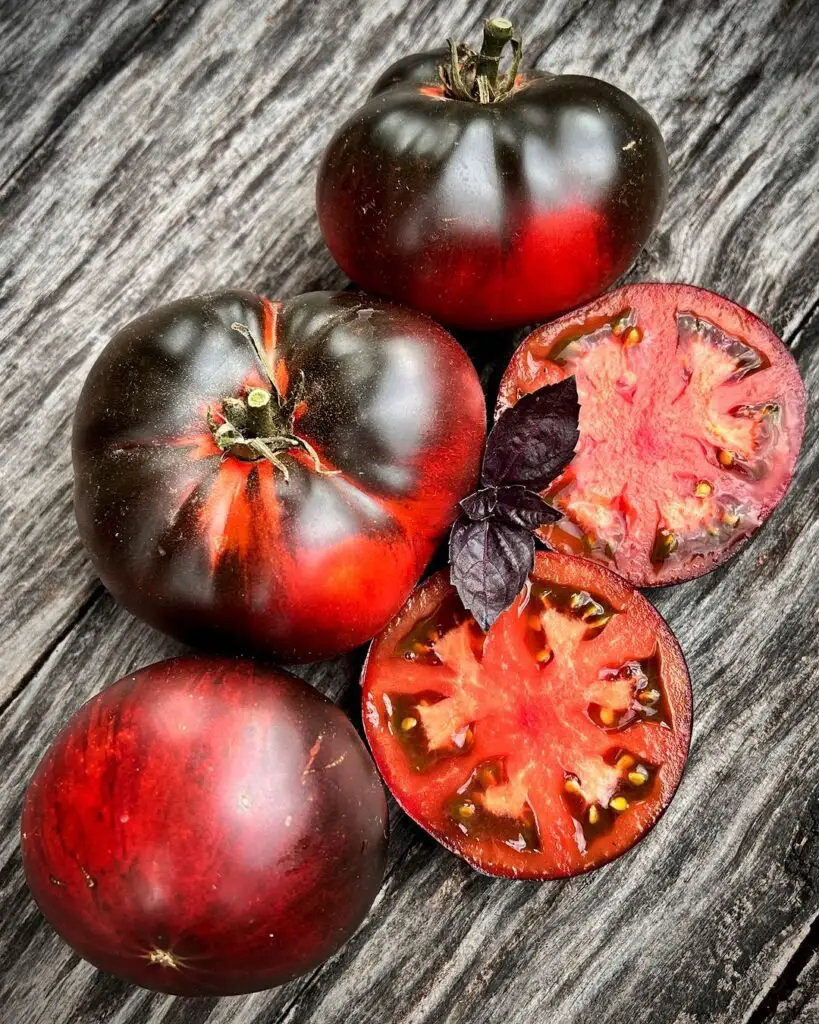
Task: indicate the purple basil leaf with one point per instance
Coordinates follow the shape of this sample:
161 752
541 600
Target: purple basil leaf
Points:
490 562
519 506
481 504
534 441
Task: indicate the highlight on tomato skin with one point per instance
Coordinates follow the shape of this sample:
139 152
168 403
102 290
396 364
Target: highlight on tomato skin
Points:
549 745
691 419
273 477
492 213
206 827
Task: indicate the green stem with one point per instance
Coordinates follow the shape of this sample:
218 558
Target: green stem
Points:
261 419
497 33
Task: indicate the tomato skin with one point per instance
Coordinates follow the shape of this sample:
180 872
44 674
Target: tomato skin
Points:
494 215
510 682
212 810
224 552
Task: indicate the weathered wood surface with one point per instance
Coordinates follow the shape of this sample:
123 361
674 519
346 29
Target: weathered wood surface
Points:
155 150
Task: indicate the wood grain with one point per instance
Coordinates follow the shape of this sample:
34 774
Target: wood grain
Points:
151 156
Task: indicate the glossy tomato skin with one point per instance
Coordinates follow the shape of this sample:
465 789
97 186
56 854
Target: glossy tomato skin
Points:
221 551
205 827
493 215
522 714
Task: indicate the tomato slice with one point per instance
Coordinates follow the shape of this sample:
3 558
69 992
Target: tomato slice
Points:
544 748
691 418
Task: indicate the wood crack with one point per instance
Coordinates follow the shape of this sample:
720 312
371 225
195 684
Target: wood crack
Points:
788 980
115 58
82 611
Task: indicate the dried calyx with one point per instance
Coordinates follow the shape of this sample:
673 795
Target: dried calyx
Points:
259 425
474 76
492 544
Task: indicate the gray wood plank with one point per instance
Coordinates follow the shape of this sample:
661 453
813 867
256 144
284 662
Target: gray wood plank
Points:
193 166
53 55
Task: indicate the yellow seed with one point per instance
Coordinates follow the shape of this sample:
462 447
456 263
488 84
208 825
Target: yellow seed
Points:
730 518
594 815
648 696
466 810
571 786
619 804
625 762
618 327
703 489
725 457
607 716
543 656
637 778
409 723
633 337
535 623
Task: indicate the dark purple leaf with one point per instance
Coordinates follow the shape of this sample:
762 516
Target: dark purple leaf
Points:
519 506
490 563
534 440
481 504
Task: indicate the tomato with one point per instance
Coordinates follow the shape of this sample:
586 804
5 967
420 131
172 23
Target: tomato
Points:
547 746
273 476
691 418
205 827
490 214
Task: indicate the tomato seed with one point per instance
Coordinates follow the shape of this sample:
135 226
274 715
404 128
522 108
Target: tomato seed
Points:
571 786
633 337
543 657
648 696
625 762
637 778
607 716
594 815
409 723
725 457
703 489
730 518
619 804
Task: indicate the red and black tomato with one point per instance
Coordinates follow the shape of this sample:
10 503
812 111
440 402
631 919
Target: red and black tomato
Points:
206 826
489 201
273 476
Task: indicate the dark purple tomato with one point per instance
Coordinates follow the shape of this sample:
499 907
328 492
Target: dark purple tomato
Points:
205 827
273 476
489 201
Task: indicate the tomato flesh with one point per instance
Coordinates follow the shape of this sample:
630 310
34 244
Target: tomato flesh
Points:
546 747
692 413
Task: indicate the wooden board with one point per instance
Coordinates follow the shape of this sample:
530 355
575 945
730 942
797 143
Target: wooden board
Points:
150 153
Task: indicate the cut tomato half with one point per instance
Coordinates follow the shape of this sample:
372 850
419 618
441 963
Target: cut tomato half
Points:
691 418
549 745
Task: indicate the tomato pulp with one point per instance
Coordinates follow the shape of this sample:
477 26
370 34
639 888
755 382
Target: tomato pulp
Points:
544 748
205 827
691 419
273 476
491 214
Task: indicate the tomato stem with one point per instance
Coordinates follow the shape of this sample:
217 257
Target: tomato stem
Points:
497 32
473 76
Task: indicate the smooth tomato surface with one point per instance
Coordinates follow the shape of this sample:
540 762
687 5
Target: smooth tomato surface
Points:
205 827
691 419
491 215
546 747
382 422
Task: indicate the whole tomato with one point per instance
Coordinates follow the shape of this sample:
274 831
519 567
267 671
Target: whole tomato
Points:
205 826
490 201
273 476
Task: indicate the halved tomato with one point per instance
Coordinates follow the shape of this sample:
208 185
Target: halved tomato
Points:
691 419
549 745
